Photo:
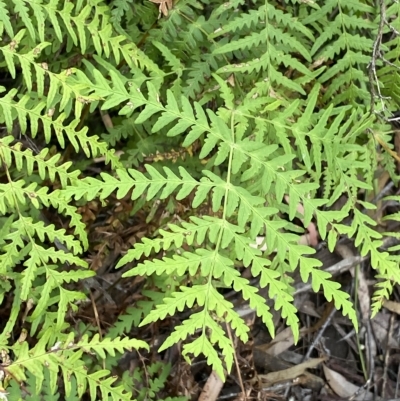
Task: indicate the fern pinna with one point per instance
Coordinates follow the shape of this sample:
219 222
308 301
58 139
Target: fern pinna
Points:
270 103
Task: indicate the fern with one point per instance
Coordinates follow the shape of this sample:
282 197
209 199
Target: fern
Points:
67 356
155 376
269 104
119 9
79 140
276 42
236 200
341 36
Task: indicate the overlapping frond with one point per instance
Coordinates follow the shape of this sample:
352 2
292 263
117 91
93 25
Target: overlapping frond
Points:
67 356
270 47
346 37
35 112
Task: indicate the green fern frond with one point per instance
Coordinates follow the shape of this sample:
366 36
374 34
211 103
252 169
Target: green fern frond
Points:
384 289
341 40
5 19
196 79
26 60
189 233
61 89
236 200
11 156
172 60
134 315
275 43
207 296
119 9
90 187
24 109
60 202
49 232
67 356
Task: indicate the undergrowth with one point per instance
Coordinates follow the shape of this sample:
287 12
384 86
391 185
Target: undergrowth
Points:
237 112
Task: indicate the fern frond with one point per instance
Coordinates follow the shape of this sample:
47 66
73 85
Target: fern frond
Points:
341 37
64 298
134 315
383 290
189 233
49 232
24 109
5 19
60 202
172 60
91 187
67 356
60 82
26 60
11 156
207 296
22 10
197 77
119 8
275 43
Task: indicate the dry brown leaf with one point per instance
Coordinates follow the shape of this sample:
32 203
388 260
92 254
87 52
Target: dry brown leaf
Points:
290 373
282 341
344 388
164 6
392 306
